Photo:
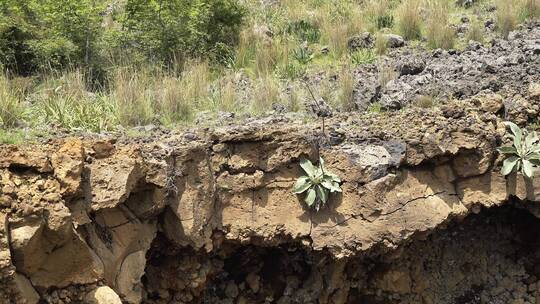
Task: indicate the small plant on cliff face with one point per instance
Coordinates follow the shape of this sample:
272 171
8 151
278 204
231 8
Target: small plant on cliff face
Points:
524 154
318 183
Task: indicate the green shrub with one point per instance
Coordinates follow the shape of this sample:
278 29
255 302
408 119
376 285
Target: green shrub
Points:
318 183
38 35
524 154
173 30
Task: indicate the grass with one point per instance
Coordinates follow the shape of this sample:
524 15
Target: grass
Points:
424 101
409 21
439 33
381 44
476 31
528 9
379 14
279 46
506 17
346 90
11 109
266 93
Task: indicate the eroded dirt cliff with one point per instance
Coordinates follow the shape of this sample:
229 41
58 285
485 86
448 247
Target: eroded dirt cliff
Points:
208 216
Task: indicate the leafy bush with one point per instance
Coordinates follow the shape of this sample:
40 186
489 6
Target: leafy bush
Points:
49 33
173 30
524 154
318 184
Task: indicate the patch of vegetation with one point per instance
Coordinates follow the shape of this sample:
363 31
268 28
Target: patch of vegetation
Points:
99 64
317 184
303 55
528 9
476 31
439 33
363 56
304 31
379 13
381 44
524 154
425 101
506 17
409 21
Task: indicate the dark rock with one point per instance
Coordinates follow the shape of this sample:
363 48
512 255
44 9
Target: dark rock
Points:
362 41
503 68
411 66
394 41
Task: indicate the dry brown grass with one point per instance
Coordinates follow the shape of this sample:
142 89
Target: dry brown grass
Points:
409 21
11 109
506 17
439 33
346 89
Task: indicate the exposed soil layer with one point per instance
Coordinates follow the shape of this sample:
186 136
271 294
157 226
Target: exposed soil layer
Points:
490 257
208 216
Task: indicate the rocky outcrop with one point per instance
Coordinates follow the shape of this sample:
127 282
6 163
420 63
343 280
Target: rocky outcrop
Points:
505 67
203 215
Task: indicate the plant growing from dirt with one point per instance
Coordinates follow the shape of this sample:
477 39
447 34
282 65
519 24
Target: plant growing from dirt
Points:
524 154
318 184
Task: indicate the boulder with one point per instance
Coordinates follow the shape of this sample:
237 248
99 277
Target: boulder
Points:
362 41
103 295
394 41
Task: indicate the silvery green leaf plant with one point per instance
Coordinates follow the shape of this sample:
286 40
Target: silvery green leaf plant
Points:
317 184
524 154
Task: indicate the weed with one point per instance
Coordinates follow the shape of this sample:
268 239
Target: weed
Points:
524 154
318 184
375 107
304 31
363 56
266 93
303 55
528 9
425 101
378 12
